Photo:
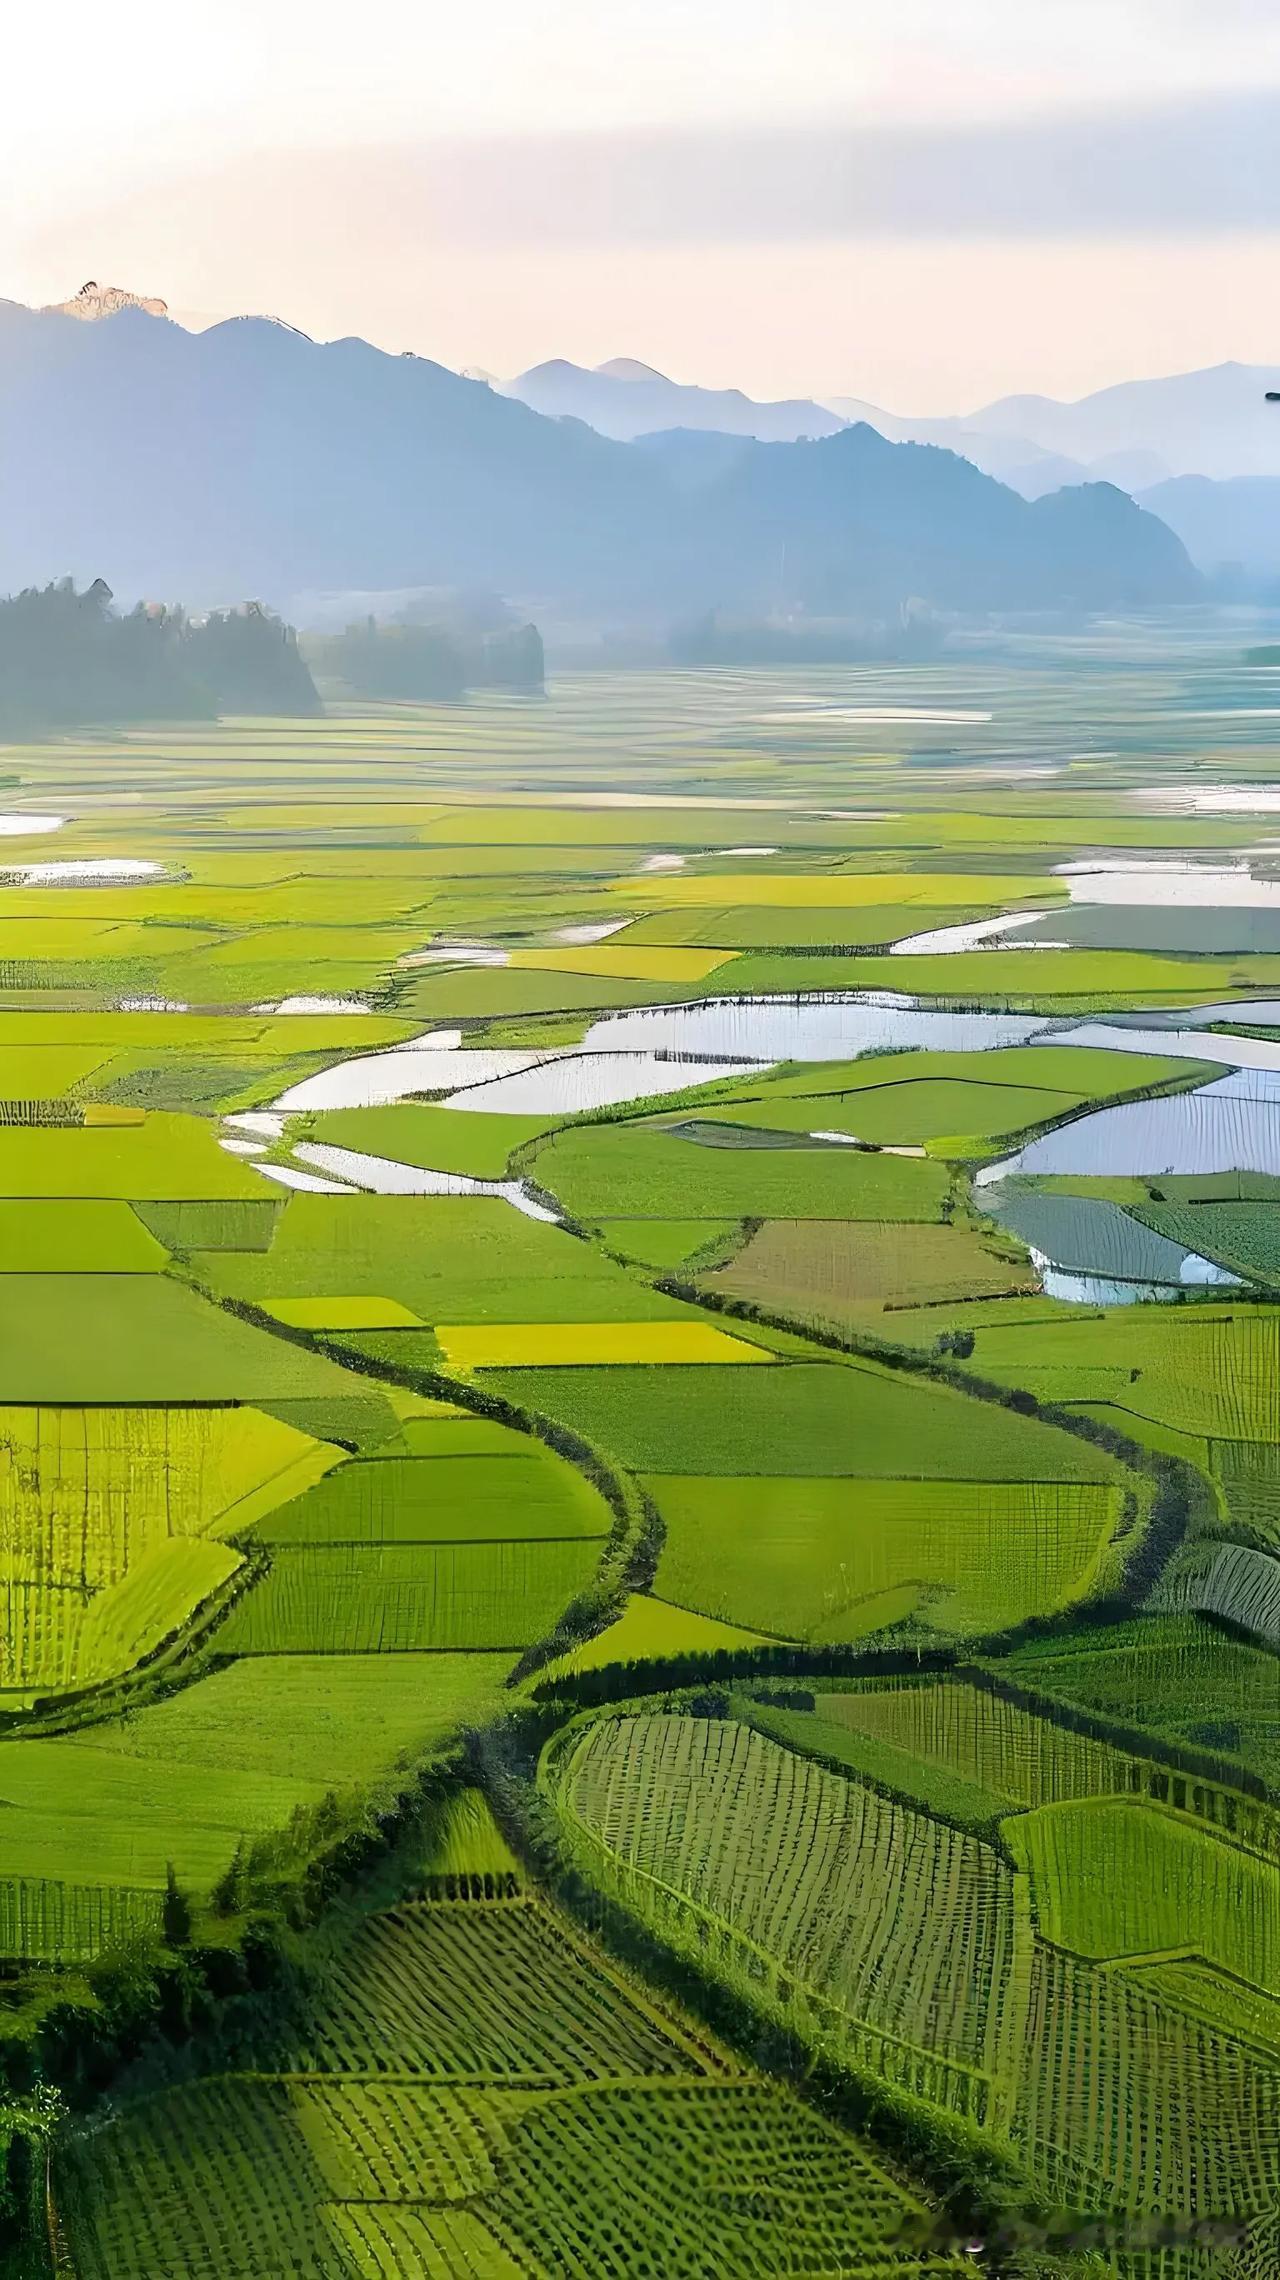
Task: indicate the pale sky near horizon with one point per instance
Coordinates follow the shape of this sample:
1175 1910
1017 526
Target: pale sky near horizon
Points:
920 203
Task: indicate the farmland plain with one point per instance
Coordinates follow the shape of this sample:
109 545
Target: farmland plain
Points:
511 1287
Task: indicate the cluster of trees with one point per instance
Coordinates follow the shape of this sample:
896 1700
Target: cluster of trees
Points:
416 663
226 1977
69 659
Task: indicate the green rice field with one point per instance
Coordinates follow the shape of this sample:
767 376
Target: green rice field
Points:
640 1490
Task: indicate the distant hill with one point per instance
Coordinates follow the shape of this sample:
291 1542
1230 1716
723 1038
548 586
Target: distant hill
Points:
1025 466
250 459
1236 522
847 521
1138 434
247 459
691 458
1135 435
625 399
1214 422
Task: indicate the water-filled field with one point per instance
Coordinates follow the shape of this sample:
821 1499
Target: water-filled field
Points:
736 1209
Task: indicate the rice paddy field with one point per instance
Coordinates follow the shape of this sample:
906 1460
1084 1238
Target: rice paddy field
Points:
694 1258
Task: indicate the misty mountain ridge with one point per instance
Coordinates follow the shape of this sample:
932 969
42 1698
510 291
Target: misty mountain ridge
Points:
1155 439
249 459
625 399
1142 435
1138 432
1213 422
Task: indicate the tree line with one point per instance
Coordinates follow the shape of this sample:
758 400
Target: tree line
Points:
429 663
68 659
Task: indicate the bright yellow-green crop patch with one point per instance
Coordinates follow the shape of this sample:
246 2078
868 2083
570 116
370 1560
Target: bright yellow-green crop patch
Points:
110 1520
343 1314
837 890
160 1160
572 1345
46 1072
72 1235
301 947
639 964
70 938
160 1593
206 1035
305 900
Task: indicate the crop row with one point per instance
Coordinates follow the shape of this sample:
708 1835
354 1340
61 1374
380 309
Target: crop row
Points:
587 2139
480 1987
1117 2084
394 1598
906 1927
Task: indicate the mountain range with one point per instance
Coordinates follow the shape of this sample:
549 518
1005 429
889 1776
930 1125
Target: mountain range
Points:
1199 449
250 460
1214 423
626 399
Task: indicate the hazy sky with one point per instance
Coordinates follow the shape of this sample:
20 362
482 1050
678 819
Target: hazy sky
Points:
922 202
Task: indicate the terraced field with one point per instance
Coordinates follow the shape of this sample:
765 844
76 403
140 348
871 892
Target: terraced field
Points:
529 1228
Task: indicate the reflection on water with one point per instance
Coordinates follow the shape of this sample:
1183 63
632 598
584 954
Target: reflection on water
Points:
374 1079
1165 928
315 1005
22 826
1212 799
1100 1290
382 1175
660 1049
597 930
1263 1013
84 871
289 1176
1231 1125
457 954
1165 881
1260 1054
262 1123
576 1082
1084 1235
946 941
817 1028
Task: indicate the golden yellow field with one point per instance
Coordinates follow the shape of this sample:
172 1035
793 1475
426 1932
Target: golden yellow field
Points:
575 1345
